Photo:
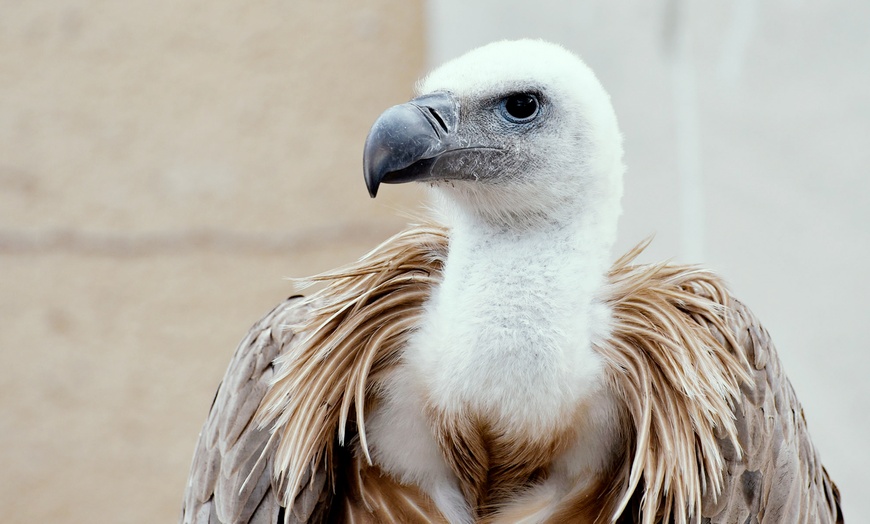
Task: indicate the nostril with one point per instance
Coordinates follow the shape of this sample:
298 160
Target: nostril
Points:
438 118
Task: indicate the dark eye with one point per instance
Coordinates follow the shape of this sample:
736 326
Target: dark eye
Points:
520 107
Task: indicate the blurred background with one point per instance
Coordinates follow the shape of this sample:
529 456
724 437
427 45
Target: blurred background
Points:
164 165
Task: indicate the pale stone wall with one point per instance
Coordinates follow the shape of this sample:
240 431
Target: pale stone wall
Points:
163 165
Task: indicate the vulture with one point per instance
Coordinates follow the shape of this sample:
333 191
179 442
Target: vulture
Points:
492 364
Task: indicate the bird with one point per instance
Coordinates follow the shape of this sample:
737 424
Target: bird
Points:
492 363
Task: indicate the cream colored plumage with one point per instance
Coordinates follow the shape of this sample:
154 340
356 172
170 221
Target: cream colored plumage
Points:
493 369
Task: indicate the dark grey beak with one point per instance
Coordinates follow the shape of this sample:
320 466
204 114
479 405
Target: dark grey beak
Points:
406 140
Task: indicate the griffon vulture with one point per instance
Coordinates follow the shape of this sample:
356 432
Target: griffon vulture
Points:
493 366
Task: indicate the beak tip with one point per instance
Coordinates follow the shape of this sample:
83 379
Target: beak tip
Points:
372 172
403 141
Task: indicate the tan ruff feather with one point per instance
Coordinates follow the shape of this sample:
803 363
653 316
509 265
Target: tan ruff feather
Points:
677 381
360 323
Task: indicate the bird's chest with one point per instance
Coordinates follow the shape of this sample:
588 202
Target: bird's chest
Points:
469 455
469 462
500 378
493 463
491 383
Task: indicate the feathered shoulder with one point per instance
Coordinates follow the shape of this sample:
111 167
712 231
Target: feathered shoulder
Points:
683 358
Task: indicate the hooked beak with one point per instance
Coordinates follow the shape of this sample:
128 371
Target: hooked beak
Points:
406 141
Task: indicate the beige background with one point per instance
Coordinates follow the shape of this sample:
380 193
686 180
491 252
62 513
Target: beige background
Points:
163 165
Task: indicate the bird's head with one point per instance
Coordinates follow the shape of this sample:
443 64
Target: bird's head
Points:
511 133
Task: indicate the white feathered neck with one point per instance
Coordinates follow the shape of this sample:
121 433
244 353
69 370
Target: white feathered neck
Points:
508 333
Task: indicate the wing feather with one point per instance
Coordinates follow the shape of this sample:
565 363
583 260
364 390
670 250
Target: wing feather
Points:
778 477
231 479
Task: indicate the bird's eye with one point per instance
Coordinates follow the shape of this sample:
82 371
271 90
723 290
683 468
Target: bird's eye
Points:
520 107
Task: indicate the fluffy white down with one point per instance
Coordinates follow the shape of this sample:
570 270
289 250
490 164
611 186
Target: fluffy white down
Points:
578 170
508 334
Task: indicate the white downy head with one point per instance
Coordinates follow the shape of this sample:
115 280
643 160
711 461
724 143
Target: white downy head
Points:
560 165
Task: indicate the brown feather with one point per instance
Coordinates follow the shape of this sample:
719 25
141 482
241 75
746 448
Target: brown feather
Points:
491 467
360 323
372 496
